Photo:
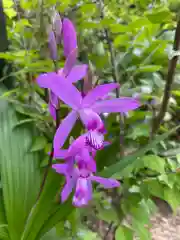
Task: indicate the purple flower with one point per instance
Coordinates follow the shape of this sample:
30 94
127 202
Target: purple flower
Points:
80 178
71 73
78 147
87 108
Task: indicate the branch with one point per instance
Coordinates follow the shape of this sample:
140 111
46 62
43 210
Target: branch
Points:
170 77
115 75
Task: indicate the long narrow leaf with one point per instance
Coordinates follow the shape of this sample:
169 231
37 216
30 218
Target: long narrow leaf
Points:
4 234
20 173
128 160
48 211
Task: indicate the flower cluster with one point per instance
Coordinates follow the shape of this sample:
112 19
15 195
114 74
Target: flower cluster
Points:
79 164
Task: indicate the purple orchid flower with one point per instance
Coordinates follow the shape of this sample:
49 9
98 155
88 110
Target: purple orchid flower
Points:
79 147
81 179
87 108
71 72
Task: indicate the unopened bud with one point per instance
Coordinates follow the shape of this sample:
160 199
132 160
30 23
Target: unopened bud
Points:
57 26
52 46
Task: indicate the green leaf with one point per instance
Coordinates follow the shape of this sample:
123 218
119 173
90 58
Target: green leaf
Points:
159 16
107 215
121 40
118 28
148 68
39 144
88 235
24 121
128 160
142 232
123 233
171 152
4 235
20 174
48 211
152 162
141 130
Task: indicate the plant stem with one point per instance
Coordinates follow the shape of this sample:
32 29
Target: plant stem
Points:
169 81
108 230
52 149
115 76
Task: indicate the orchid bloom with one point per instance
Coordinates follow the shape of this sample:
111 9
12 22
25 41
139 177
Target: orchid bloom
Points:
80 178
79 146
71 72
86 108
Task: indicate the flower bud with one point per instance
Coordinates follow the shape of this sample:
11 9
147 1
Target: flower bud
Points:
57 26
52 46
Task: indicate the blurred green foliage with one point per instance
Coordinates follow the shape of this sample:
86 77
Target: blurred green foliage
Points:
141 33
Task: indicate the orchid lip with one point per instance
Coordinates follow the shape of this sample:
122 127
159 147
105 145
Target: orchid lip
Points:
95 139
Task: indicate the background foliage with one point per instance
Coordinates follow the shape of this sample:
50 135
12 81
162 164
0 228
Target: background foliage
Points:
127 40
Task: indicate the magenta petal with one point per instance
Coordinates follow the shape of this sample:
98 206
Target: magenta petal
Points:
77 146
60 168
69 36
45 80
83 192
90 119
60 153
64 129
70 62
99 92
77 73
122 105
95 139
66 191
88 160
106 182
61 88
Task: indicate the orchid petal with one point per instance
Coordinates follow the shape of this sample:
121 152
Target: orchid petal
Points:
60 168
60 153
122 105
64 129
45 80
70 184
95 139
66 191
98 93
77 146
70 62
77 73
69 36
83 193
90 119
89 161
61 88
106 182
